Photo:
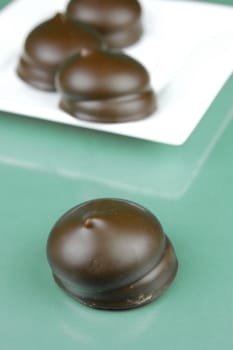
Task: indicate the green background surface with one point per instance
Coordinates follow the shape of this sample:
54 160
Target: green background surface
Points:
46 168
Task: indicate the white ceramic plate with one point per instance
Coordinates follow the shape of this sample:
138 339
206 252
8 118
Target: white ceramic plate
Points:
187 48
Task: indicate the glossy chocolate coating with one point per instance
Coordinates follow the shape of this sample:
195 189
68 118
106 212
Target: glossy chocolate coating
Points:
118 21
49 44
102 86
111 254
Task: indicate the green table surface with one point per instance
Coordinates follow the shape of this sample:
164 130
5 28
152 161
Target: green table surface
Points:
46 168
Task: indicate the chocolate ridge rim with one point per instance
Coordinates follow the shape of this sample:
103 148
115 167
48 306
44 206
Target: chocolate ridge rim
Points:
40 78
122 38
134 299
121 109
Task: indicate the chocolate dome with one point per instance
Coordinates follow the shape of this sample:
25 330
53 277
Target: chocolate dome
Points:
118 21
102 86
48 44
111 254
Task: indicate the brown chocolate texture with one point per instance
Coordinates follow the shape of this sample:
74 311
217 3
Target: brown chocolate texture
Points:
118 21
103 86
111 254
49 44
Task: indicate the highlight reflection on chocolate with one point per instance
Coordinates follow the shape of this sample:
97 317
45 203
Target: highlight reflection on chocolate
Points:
111 254
48 44
118 21
102 86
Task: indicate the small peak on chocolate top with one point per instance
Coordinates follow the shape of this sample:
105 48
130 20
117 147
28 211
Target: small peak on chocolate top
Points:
88 222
